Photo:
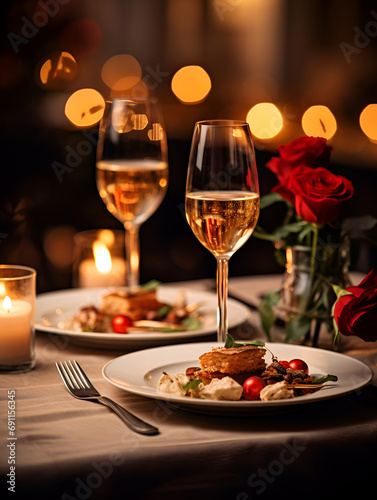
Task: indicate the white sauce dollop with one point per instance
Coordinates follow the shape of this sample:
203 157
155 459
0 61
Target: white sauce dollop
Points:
225 388
276 391
173 384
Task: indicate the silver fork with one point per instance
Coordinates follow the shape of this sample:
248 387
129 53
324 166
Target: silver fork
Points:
80 387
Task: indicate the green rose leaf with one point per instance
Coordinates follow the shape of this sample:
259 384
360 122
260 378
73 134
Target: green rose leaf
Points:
266 311
298 327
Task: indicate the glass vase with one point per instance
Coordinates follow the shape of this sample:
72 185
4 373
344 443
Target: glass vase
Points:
306 295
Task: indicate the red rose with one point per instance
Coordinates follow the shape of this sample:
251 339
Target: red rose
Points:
356 314
308 151
317 194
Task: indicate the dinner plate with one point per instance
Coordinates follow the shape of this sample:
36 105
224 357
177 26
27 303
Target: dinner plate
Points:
140 371
54 309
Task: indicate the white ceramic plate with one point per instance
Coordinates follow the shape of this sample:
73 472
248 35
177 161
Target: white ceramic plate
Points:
140 371
54 309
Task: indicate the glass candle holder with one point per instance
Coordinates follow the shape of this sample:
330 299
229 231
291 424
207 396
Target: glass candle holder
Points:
99 259
17 317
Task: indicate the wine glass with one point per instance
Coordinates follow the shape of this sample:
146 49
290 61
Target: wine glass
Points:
132 169
222 196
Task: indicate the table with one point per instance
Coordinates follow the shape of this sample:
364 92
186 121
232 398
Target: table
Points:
70 449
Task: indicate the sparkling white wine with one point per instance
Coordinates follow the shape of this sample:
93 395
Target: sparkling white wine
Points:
132 190
222 220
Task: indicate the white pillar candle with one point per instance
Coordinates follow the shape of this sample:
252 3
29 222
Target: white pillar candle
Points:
90 276
15 331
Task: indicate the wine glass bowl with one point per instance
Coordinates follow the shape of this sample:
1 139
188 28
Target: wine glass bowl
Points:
222 196
132 168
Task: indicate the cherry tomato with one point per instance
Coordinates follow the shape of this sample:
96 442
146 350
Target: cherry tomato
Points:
284 363
298 364
121 323
252 387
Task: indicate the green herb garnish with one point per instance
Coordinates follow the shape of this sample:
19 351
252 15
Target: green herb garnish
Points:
325 378
230 342
164 310
150 285
191 323
192 384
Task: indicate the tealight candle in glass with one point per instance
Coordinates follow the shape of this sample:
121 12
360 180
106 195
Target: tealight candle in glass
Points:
99 259
17 317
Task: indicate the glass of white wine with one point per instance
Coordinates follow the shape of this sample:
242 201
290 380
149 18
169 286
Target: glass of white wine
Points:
222 196
132 169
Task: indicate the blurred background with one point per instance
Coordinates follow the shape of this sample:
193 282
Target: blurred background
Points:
289 67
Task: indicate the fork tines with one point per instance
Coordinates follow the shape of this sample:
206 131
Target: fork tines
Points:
72 374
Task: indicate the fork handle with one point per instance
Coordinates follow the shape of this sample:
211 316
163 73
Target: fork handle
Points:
128 418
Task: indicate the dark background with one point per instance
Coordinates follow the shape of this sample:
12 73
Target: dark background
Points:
296 61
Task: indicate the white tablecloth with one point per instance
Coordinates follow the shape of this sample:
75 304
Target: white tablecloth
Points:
66 448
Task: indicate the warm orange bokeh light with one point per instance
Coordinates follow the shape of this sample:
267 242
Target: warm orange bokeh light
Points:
191 84
121 72
318 121
368 121
85 107
59 70
265 120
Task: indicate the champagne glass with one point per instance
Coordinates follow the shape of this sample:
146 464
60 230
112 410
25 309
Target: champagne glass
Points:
132 169
222 196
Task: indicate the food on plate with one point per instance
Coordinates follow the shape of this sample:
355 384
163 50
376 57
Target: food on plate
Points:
278 390
122 312
252 387
138 305
237 362
298 364
121 323
238 371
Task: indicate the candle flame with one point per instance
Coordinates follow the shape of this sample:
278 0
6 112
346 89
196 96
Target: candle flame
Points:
102 257
7 304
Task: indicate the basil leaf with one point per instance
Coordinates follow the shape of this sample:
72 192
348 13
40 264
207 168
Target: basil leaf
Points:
192 384
325 378
163 311
150 285
230 342
191 323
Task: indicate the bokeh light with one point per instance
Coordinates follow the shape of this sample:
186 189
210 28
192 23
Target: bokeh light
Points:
318 121
265 120
121 72
156 133
58 71
191 84
58 246
107 237
368 121
85 107
82 37
139 121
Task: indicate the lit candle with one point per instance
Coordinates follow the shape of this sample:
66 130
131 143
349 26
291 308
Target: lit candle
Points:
102 270
15 331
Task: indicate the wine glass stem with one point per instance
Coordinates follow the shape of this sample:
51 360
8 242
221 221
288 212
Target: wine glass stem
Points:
132 258
222 299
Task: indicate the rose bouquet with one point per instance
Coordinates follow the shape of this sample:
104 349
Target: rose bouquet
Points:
313 199
355 310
